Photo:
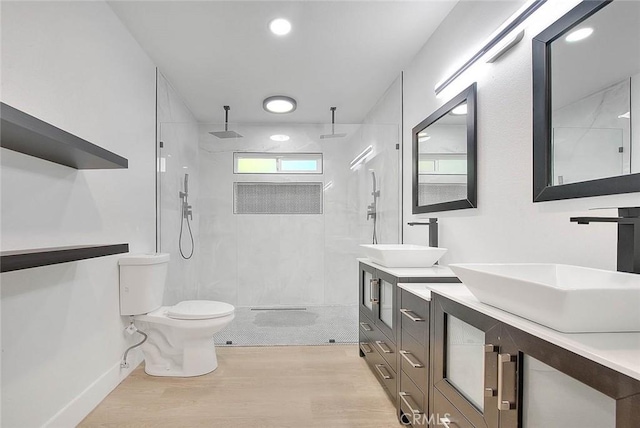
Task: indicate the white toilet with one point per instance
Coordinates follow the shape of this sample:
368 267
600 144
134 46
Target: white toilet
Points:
180 338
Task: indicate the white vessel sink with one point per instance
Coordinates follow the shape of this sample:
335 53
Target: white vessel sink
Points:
569 299
403 255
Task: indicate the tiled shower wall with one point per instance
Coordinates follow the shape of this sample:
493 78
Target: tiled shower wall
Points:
267 260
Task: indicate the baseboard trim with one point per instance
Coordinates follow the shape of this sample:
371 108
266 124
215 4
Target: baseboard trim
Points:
78 408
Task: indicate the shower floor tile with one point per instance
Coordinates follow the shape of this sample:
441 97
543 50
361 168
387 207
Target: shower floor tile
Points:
311 325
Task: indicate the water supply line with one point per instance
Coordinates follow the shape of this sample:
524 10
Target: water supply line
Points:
187 214
132 329
372 209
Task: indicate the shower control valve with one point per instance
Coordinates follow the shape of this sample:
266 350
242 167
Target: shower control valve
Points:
371 211
187 212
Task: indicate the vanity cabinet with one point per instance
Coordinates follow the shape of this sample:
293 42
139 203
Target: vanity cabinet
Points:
489 374
413 348
377 325
394 334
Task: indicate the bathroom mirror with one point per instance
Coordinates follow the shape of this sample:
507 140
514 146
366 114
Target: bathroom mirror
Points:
586 88
444 156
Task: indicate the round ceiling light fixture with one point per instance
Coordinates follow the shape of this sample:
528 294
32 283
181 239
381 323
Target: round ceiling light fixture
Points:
580 34
279 104
280 26
279 137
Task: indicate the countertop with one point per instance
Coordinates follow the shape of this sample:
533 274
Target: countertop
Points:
618 351
435 271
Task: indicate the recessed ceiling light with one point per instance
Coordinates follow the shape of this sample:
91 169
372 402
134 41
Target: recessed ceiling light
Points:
460 110
279 137
423 136
280 26
279 104
580 34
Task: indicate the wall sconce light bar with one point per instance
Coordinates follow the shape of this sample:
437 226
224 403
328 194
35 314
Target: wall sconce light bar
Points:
515 21
361 157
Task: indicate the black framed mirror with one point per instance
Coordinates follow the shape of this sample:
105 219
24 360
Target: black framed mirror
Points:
444 156
586 85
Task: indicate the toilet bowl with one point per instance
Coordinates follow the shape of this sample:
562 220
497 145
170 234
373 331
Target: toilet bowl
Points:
179 338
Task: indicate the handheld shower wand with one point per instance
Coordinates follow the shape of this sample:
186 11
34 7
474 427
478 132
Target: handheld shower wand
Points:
187 214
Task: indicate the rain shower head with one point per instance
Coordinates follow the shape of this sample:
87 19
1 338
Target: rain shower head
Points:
333 127
226 133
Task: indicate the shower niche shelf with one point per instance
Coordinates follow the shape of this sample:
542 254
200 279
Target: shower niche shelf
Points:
29 135
26 259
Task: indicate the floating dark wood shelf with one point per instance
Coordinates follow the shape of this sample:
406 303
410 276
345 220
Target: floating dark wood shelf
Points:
25 259
29 135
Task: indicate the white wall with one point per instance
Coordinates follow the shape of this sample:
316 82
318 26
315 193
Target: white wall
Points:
74 65
506 226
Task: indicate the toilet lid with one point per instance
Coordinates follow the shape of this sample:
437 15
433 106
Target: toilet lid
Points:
199 310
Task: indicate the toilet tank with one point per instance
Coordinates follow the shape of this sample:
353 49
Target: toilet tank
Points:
142 281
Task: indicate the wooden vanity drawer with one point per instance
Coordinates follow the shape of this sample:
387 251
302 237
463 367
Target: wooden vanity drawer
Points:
414 361
383 372
365 326
412 402
442 408
414 316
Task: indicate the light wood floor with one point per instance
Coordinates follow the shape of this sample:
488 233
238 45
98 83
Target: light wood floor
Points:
289 386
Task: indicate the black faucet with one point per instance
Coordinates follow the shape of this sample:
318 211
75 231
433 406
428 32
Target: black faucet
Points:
433 230
628 236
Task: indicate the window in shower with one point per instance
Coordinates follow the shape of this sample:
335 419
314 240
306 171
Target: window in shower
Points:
277 163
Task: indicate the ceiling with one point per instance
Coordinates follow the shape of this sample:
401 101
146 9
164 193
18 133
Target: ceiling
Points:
339 53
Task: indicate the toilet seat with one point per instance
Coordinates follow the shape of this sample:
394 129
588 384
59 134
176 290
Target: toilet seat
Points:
199 310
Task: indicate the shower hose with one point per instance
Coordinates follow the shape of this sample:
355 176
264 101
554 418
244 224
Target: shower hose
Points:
180 238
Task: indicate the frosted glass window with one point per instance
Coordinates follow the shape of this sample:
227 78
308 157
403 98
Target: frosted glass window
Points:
386 303
256 166
552 399
366 292
465 360
298 165
277 163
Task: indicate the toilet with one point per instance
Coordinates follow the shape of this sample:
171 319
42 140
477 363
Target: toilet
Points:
180 337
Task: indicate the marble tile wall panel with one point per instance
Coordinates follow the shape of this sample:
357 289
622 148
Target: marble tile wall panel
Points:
285 260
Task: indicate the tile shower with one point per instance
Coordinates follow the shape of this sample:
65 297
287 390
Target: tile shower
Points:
291 276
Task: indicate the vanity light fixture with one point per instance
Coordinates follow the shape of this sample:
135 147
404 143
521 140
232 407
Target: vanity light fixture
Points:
279 137
279 104
280 26
578 35
461 110
503 31
360 158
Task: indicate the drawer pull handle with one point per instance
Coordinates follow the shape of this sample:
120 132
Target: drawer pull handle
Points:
365 348
365 326
406 399
504 359
385 375
411 315
447 423
406 356
384 347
